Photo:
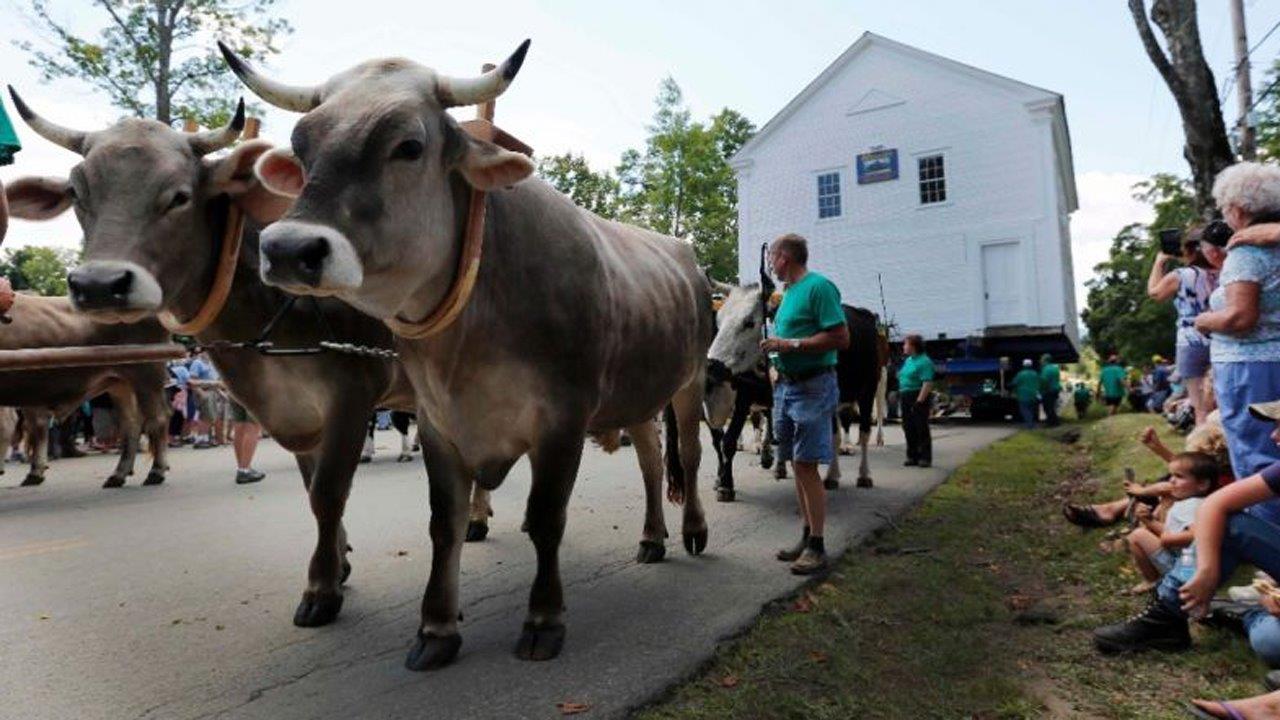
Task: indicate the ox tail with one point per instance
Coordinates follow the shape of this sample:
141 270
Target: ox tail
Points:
675 471
607 440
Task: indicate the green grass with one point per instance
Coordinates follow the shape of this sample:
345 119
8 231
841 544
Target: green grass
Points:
979 606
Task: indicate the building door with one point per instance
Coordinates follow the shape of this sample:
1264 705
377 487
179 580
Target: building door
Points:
1002 283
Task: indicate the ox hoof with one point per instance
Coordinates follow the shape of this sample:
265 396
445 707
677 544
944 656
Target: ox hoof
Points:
114 481
540 643
651 551
831 484
317 609
695 542
404 457
477 531
432 652
346 572
154 478
726 494
865 482
766 460
32 479
846 450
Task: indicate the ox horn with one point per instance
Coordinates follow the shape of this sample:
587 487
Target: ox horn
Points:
452 92
203 143
297 98
72 140
766 282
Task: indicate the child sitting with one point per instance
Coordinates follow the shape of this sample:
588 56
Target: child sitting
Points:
1156 545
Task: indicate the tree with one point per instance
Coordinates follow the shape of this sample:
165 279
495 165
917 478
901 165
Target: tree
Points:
1267 129
571 175
1194 89
40 269
156 58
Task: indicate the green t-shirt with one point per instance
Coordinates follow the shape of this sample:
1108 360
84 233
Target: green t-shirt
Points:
809 306
8 139
1026 385
1082 392
916 371
1050 378
1112 381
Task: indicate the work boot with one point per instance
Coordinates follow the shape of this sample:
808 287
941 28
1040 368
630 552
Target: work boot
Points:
1155 628
791 554
810 561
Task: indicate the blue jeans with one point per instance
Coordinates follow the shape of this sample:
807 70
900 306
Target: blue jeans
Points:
1030 412
1263 630
1237 384
802 414
1248 538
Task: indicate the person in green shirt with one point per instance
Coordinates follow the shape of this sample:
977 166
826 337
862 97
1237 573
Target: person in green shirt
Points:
9 145
1082 396
809 328
1111 386
1026 386
915 389
1050 389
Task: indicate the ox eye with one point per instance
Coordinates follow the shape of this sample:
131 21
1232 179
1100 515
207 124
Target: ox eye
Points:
178 200
749 324
407 150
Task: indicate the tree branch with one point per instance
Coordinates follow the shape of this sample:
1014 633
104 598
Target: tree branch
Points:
137 44
1138 9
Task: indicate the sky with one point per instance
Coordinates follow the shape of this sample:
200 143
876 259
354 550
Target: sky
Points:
593 70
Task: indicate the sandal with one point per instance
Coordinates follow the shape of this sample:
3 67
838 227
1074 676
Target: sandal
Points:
1231 712
1084 516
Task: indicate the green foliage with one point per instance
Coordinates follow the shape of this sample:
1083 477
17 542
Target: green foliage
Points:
40 269
1118 314
156 58
571 175
1267 127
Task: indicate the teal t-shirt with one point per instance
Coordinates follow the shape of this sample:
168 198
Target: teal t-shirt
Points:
1082 392
809 306
916 371
1026 385
1112 381
1050 379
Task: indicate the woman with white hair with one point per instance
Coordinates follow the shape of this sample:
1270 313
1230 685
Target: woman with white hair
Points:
1244 321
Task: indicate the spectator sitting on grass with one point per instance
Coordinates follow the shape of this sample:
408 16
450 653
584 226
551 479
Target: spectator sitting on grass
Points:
1160 542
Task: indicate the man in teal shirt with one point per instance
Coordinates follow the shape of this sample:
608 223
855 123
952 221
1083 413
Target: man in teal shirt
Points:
915 388
1026 386
1050 389
1112 385
809 328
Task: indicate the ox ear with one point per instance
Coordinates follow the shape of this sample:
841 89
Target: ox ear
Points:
38 198
280 172
487 166
235 175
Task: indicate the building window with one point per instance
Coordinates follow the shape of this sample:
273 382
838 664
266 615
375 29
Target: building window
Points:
829 195
933 180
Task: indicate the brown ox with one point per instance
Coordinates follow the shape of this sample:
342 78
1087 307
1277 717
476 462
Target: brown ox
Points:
137 389
576 324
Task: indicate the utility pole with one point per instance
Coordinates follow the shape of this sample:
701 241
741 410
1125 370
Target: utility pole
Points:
1244 87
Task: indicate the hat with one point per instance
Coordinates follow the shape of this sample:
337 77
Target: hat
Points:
1158 359
1266 411
1027 363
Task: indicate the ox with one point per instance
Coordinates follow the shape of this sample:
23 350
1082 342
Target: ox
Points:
735 379
137 389
574 325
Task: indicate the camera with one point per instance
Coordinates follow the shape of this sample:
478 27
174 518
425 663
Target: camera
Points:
1171 241
1217 233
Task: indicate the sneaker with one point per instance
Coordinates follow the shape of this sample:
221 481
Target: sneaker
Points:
1228 615
1155 628
1272 681
244 477
792 554
204 445
810 561
1244 594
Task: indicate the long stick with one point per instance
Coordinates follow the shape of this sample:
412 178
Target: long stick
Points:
86 355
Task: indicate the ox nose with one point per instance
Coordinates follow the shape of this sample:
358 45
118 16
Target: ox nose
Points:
100 289
296 260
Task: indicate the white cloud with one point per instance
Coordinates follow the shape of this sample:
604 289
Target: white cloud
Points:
1106 205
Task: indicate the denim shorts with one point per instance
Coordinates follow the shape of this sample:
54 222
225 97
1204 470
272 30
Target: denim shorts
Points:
1192 361
802 416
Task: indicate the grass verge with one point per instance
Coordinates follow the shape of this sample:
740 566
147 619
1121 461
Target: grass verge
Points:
978 605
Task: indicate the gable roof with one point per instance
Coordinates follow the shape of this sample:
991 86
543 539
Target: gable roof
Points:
1036 96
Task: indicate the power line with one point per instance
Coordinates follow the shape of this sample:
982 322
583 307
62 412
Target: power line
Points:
1264 38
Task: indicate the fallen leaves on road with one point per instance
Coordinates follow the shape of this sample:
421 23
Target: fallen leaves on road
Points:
401 553
804 603
45 616
572 708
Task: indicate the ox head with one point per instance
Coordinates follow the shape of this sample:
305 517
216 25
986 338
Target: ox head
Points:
380 172
151 207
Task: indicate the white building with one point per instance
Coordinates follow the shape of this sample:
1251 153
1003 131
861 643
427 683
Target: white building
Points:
950 185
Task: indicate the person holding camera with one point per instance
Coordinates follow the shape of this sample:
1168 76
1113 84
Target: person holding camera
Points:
1189 287
1244 318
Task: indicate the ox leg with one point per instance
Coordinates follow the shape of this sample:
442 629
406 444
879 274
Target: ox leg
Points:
36 423
766 453
155 423
130 435
450 487
331 468
653 546
866 410
8 424
688 410
724 475
479 514
555 467
864 465
832 481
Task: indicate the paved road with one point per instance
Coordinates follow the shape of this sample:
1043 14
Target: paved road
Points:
175 602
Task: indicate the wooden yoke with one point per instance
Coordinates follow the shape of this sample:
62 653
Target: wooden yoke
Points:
84 355
226 269
464 280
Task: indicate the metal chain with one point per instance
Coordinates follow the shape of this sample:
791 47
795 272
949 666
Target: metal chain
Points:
266 347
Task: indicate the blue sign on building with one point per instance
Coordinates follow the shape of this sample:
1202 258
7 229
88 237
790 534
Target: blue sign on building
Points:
877 166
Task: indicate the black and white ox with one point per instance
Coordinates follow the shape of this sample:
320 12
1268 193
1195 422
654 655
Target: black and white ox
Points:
152 208
736 379
576 324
